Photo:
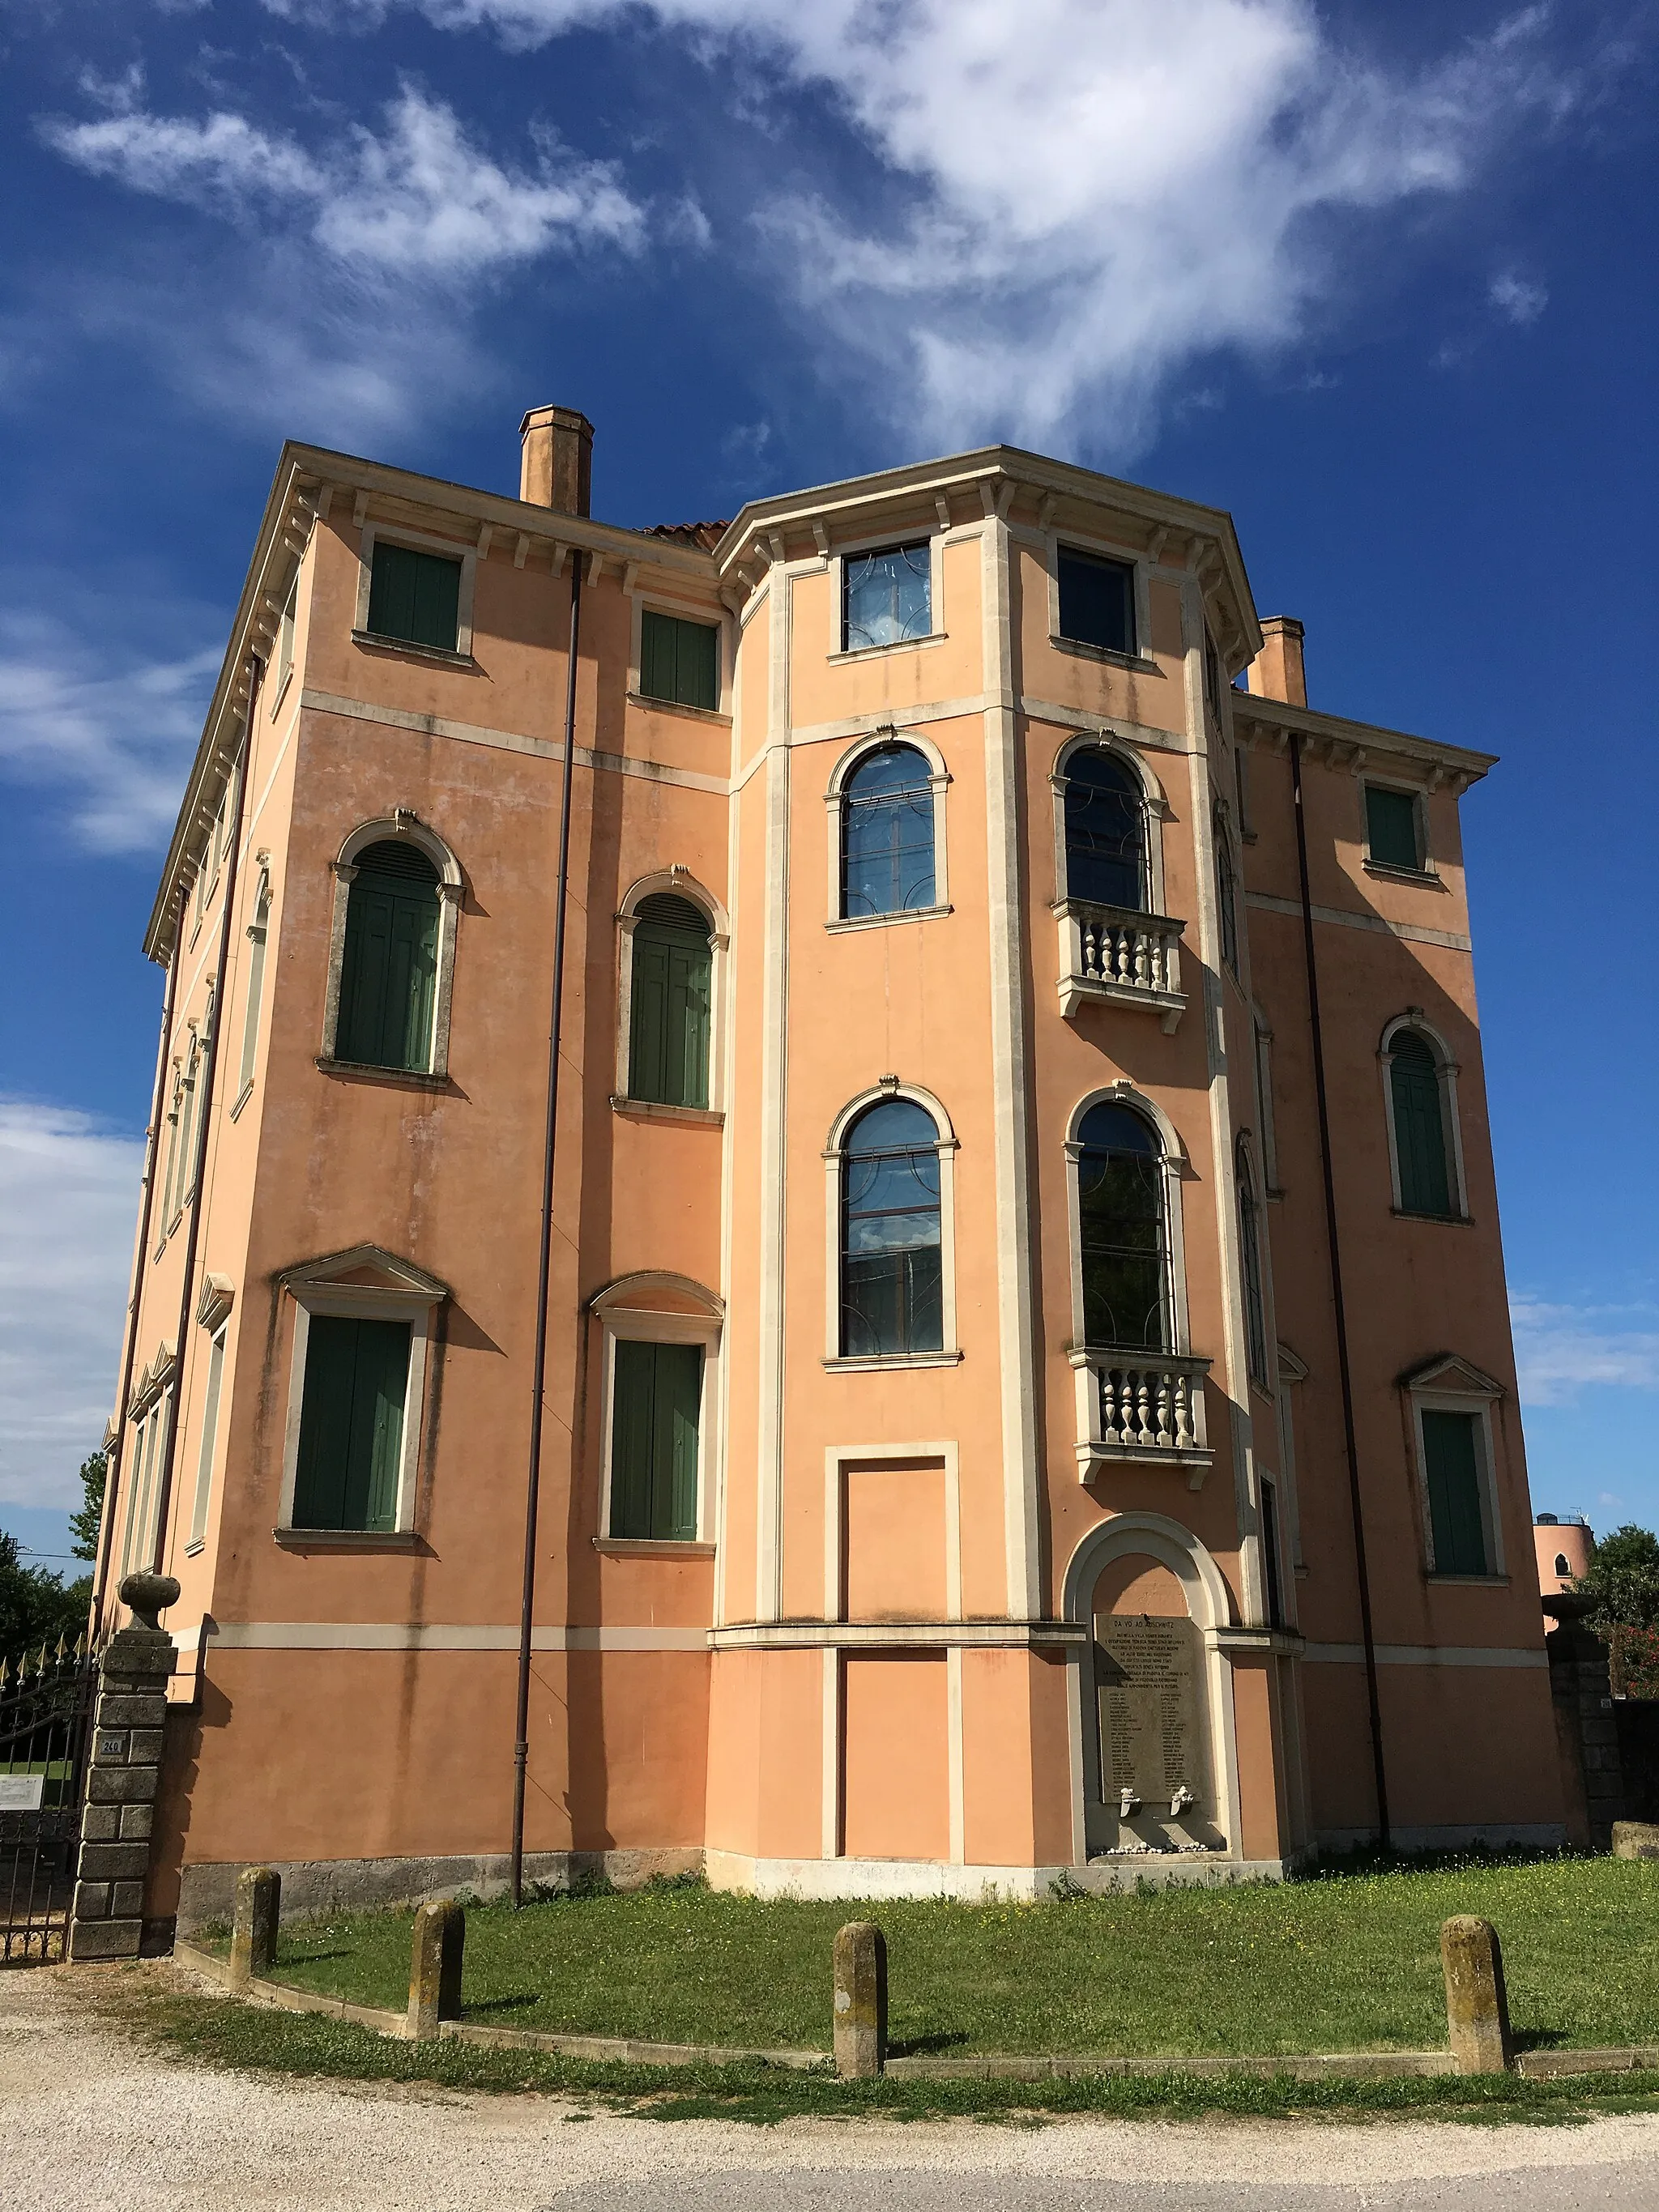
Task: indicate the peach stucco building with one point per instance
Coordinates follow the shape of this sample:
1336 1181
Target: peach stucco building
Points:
1028 1381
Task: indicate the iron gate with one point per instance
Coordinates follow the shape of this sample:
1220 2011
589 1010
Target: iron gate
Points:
45 1711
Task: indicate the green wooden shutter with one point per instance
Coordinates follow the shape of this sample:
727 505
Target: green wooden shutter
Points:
1419 1133
415 597
669 1014
1454 1474
679 1407
633 1404
1391 827
679 661
351 1423
389 973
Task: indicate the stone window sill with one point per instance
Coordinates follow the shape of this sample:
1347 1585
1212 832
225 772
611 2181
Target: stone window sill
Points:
652 1109
1469 1582
850 922
714 714
242 1098
850 1364
1136 663
1387 872
412 1079
653 1548
898 645
281 691
1439 1220
442 654
348 1540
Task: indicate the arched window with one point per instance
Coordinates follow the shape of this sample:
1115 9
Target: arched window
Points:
887 834
1226 895
1249 1258
891 1271
1561 1567
669 1002
388 973
1123 1231
1421 1160
1105 831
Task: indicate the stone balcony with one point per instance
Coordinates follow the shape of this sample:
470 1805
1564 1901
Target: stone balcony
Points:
1147 1407
1116 954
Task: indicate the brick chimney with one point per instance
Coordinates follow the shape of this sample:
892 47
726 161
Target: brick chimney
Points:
555 464
1277 671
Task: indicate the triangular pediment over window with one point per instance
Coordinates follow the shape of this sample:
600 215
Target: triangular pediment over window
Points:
364 1266
1447 1372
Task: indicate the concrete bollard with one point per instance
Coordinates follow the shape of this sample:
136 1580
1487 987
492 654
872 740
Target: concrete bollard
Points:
1477 2006
434 1969
253 1931
861 2001
1636 1840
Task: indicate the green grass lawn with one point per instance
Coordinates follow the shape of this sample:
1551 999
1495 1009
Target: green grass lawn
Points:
1346 1962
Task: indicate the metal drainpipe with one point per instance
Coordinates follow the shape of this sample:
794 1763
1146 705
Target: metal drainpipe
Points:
1345 1374
129 1352
539 1376
193 1235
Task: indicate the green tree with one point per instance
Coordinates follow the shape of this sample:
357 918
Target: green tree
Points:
35 1607
1622 1580
84 1525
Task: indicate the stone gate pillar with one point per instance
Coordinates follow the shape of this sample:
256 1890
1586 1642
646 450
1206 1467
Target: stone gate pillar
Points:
1586 1724
124 1772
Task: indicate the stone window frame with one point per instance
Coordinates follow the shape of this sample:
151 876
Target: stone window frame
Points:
643 601
418 541
259 937
1425 872
213 1310
401 826
835 1163
1450 1384
677 882
834 804
147 1414
1176 1169
1105 549
1155 809
410 1295
619 1316
835 558
1446 1071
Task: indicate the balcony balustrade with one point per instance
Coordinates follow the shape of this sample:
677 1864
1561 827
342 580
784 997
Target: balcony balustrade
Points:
1142 1405
1116 953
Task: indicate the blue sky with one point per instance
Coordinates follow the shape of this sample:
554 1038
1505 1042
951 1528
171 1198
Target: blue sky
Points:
1378 279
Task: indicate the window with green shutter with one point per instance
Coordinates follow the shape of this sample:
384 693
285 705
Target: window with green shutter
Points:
1451 1462
1391 827
351 1423
679 661
669 1002
389 971
655 1414
1419 1127
415 598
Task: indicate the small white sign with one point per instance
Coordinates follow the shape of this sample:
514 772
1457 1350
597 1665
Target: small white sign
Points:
21 1793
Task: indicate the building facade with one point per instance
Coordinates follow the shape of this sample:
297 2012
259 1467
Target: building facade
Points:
1028 1383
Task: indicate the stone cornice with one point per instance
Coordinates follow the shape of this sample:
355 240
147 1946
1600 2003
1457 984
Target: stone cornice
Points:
1344 744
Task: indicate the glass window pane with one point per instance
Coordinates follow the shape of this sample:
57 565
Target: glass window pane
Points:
1096 601
1105 831
887 834
1123 1243
888 596
892 1298
1391 827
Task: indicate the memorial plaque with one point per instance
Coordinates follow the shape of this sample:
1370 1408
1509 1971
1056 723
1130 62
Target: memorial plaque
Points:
1148 1676
21 1793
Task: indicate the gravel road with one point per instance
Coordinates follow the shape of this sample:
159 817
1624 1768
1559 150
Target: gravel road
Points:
87 2117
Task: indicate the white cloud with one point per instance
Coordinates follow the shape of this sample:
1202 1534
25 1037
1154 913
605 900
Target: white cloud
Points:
420 199
1085 196
68 1191
113 735
1513 297
1561 1350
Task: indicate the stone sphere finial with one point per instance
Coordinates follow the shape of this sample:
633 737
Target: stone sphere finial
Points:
145 1595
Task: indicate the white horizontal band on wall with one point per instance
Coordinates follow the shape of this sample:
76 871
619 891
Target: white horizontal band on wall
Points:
422 1635
1413 932
1426 1654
